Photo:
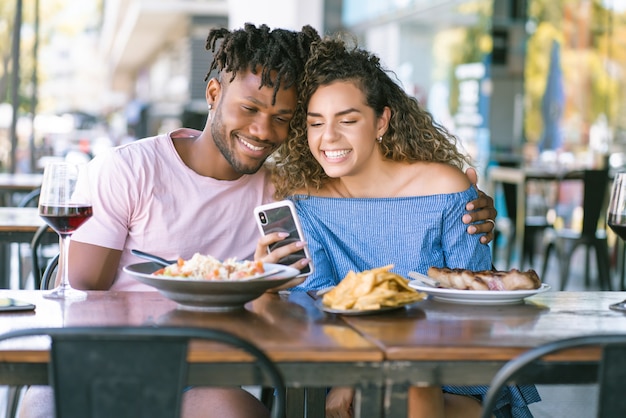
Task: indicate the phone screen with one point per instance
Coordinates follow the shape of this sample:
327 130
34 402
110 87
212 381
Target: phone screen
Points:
281 219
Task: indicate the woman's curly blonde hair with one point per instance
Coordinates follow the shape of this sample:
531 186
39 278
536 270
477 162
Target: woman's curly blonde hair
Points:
412 134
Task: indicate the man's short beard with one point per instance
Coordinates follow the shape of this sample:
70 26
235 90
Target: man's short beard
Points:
219 138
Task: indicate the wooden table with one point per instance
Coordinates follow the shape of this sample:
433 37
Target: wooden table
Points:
312 350
17 225
17 183
441 343
430 343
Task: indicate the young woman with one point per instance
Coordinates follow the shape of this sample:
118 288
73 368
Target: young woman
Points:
376 181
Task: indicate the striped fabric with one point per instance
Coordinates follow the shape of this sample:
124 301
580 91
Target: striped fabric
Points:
412 233
512 402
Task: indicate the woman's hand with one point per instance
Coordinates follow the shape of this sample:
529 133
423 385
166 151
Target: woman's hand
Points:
339 402
261 253
481 210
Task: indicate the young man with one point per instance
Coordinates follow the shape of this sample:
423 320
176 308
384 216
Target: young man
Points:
189 191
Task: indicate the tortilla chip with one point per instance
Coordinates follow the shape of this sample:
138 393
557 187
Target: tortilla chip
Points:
370 290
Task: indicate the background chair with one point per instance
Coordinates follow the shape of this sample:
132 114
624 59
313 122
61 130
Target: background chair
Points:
611 371
132 372
536 222
49 274
592 235
39 261
31 199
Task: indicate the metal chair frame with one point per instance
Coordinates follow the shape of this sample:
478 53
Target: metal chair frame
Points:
593 236
28 200
49 274
534 225
39 239
131 372
611 371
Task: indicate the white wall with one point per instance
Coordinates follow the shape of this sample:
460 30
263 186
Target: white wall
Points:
287 14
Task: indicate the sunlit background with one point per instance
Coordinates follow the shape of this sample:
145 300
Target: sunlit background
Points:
512 78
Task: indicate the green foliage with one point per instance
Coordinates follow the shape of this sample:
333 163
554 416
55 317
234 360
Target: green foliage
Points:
593 60
49 13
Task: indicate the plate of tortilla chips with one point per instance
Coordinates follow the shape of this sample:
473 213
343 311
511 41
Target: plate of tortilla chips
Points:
371 291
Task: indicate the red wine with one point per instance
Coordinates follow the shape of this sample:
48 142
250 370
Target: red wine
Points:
65 219
618 224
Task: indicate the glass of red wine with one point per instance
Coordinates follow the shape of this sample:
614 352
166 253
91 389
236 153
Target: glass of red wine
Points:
65 204
616 214
616 217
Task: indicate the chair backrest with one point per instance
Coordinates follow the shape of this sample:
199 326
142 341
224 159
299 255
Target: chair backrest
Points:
49 274
132 372
30 199
39 239
611 371
594 200
595 189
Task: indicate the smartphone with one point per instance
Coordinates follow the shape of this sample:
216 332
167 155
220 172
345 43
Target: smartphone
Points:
282 217
11 305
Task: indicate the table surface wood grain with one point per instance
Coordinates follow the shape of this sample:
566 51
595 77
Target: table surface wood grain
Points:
431 330
288 328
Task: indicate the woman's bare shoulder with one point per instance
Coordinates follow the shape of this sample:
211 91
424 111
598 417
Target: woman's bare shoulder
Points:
445 178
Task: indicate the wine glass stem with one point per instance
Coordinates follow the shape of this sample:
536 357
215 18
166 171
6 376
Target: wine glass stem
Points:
64 243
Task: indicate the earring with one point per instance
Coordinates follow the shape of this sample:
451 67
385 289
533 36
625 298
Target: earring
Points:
209 113
380 139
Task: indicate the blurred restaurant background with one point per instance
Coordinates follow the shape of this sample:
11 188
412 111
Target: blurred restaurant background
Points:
518 81
511 78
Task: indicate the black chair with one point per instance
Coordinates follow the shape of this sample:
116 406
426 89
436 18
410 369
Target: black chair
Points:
131 372
534 225
36 246
611 371
31 199
49 274
592 236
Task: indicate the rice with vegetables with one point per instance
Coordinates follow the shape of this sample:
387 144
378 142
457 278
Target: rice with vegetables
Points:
206 267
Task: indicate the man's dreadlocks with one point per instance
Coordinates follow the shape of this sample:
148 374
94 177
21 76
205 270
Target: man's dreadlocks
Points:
282 51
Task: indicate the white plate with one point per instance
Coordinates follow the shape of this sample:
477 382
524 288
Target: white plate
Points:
212 295
477 297
355 312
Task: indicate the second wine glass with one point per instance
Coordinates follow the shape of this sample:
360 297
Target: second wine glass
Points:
616 218
65 205
616 213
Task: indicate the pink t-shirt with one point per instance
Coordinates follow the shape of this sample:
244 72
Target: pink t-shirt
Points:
145 197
